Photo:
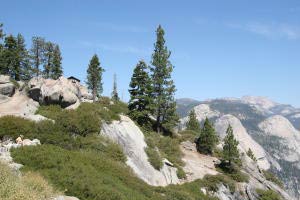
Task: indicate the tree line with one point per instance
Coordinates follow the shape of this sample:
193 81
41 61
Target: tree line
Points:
151 87
42 59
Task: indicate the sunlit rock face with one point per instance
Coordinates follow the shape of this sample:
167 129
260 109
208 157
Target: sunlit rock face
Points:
131 139
269 128
61 91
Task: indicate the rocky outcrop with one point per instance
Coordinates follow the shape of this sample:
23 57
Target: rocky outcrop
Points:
131 139
6 87
274 126
21 106
196 165
289 137
62 91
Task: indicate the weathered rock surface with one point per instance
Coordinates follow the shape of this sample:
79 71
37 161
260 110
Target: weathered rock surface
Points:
62 91
196 165
20 105
6 87
65 198
131 139
271 125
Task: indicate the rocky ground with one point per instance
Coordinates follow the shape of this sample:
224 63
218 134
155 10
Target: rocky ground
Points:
267 127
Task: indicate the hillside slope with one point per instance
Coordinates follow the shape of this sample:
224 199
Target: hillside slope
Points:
270 125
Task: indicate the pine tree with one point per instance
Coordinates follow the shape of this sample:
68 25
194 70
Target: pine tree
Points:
94 77
2 61
251 155
114 94
163 85
193 123
1 36
230 148
140 94
9 64
23 59
208 138
56 70
48 59
37 52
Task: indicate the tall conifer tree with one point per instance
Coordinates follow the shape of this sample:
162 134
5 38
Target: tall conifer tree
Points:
56 69
48 59
23 59
193 123
140 94
114 94
163 85
37 52
208 138
9 64
230 148
94 77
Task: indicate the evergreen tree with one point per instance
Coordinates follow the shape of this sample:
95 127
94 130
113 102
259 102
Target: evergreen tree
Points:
48 59
56 70
193 123
37 52
140 94
163 85
1 37
208 138
251 155
114 94
23 59
94 77
9 60
230 148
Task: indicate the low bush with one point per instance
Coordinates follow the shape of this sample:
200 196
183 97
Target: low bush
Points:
212 182
188 135
180 173
88 176
267 195
154 158
233 171
271 177
30 186
14 126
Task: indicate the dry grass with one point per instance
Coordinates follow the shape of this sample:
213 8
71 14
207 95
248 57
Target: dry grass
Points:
30 186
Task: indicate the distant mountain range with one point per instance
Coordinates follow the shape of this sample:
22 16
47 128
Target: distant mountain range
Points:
270 128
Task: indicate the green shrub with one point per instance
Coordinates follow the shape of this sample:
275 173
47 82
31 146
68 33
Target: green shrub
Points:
88 176
154 158
14 126
239 177
251 155
267 195
180 173
50 111
211 182
271 177
188 135
233 171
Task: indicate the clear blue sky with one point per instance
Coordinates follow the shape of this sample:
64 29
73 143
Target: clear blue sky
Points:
220 48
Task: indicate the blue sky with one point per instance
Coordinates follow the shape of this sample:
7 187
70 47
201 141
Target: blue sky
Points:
219 48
